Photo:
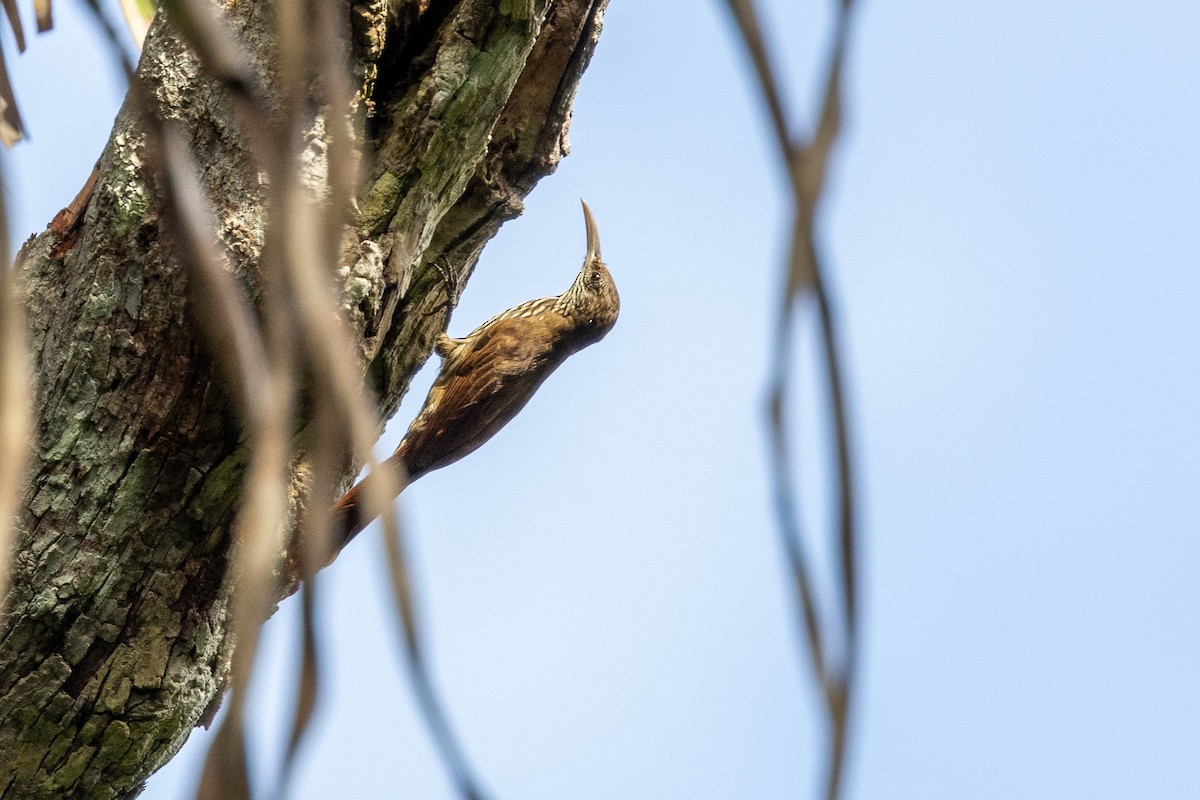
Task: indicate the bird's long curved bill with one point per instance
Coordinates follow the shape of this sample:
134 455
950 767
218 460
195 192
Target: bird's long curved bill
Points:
593 233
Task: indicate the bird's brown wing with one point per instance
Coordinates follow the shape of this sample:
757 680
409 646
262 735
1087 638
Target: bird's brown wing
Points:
483 384
485 380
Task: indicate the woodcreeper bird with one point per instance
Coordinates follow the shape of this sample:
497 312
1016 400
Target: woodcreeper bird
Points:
488 376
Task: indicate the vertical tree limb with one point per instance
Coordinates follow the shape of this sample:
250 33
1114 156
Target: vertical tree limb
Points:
117 638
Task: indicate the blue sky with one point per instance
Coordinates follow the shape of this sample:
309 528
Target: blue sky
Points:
1012 231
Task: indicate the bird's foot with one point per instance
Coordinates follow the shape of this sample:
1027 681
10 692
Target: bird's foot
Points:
449 283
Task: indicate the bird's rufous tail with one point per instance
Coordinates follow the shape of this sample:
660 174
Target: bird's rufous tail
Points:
350 514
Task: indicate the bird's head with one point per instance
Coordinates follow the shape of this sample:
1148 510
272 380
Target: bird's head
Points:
592 301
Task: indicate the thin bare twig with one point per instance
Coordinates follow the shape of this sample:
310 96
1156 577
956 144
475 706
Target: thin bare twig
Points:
267 413
806 163
15 413
452 752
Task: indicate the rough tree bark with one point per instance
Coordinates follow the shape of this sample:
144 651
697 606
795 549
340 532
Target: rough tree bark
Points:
115 640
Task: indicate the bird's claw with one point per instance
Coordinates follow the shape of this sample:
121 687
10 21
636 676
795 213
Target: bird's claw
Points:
449 283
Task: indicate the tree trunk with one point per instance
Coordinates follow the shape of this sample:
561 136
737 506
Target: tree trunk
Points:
116 636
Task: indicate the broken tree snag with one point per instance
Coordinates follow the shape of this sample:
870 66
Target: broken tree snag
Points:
68 222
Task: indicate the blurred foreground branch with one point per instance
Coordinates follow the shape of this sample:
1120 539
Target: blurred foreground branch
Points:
834 654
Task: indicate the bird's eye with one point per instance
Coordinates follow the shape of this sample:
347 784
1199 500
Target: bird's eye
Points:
594 279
